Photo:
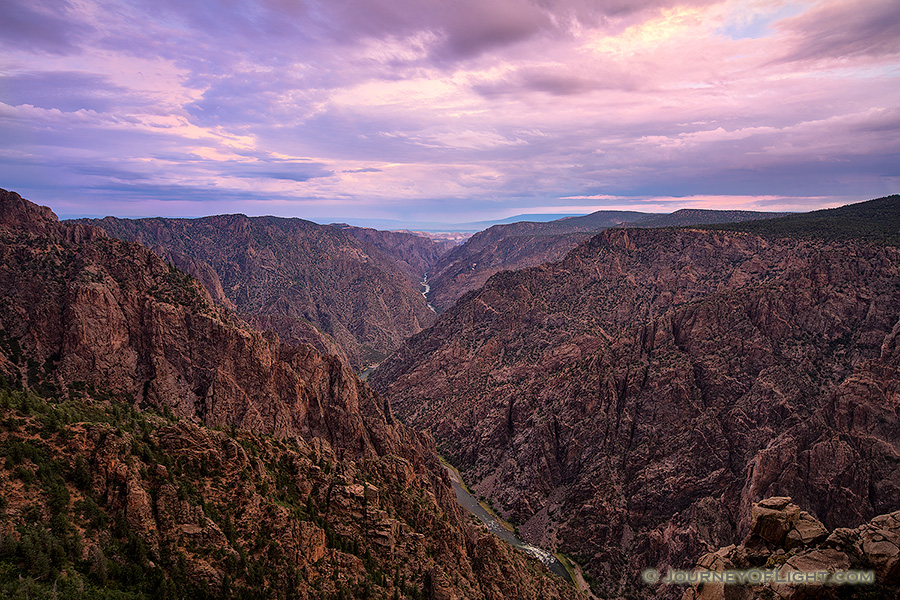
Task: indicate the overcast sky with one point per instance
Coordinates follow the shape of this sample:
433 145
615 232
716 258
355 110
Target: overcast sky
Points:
447 110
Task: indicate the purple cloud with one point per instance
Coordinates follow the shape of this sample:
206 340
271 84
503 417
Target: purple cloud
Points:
475 109
40 26
845 30
68 91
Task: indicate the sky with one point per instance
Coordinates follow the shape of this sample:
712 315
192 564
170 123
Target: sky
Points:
447 110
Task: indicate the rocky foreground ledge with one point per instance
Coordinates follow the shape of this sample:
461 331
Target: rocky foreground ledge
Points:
784 539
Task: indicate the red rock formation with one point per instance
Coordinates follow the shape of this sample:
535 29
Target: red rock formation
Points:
630 402
416 255
525 244
96 331
784 539
468 267
307 281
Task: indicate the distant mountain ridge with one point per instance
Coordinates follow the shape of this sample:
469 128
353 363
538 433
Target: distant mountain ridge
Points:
875 220
527 244
467 227
701 216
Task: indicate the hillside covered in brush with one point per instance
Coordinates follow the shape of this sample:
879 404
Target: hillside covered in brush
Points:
155 445
877 221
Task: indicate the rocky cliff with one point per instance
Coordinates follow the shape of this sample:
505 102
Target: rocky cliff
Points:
788 542
296 277
416 255
629 403
156 445
527 244
99 500
469 267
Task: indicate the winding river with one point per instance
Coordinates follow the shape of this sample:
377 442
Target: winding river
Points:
471 504
426 288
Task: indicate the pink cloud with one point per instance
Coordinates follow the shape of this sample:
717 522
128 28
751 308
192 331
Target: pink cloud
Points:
429 102
844 30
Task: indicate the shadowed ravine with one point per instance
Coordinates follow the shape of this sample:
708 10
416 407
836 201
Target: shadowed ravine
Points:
471 504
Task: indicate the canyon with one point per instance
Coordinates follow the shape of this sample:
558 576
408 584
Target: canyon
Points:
351 292
181 416
630 402
155 444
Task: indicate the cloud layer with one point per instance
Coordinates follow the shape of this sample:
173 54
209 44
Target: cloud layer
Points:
430 110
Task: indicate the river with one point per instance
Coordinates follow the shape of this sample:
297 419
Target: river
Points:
426 288
471 504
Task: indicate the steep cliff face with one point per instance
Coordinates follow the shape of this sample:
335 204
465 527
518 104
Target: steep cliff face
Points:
513 246
292 275
630 402
469 267
416 255
526 244
316 491
100 500
113 314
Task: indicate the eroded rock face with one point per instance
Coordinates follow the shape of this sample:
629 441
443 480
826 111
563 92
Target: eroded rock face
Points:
873 546
496 249
114 315
297 277
235 514
774 518
415 255
525 244
632 401
108 329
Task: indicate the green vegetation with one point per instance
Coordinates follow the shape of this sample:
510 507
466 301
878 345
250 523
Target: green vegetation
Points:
71 537
180 289
43 556
564 560
876 221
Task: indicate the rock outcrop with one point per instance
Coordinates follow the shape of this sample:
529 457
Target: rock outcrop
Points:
786 541
629 403
100 500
